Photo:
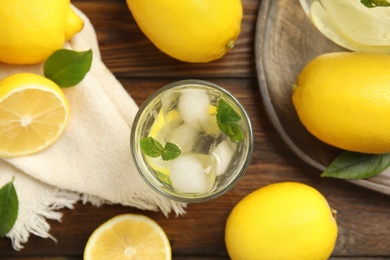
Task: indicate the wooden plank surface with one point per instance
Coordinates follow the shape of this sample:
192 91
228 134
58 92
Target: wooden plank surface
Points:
363 215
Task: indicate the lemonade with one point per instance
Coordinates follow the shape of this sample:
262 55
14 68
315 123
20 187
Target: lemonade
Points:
211 155
351 24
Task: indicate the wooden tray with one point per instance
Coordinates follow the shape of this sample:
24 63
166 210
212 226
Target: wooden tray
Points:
285 42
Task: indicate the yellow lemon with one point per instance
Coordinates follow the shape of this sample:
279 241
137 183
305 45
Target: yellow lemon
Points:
128 236
283 221
34 113
344 100
31 30
189 30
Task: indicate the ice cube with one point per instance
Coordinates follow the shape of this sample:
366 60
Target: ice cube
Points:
184 136
223 155
204 144
187 175
167 100
208 163
194 107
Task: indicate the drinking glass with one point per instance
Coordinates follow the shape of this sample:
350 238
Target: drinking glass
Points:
351 24
184 113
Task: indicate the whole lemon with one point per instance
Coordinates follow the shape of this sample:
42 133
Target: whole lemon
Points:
189 30
283 221
31 30
344 100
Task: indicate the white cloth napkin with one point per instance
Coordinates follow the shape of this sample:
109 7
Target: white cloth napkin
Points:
90 162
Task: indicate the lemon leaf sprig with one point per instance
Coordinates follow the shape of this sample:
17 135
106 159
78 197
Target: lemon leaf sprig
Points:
353 165
9 205
68 67
375 3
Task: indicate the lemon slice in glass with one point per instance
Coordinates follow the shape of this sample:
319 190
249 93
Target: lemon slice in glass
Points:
157 131
33 114
128 236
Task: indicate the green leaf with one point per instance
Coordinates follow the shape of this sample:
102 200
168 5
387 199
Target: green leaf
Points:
170 152
67 67
233 131
227 119
151 147
9 206
225 113
352 165
375 3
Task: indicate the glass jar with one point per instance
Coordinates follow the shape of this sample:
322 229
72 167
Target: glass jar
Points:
351 24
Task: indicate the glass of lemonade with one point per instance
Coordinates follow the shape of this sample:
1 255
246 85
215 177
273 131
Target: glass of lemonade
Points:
351 24
207 161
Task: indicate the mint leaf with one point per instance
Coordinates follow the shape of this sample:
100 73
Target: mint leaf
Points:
353 165
233 131
227 119
170 152
225 113
151 147
9 207
375 3
67 67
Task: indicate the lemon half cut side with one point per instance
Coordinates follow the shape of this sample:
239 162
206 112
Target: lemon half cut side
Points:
128 236
34 113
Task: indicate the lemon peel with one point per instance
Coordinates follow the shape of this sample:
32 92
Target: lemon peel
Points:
285 221
31 30
207 29
343 99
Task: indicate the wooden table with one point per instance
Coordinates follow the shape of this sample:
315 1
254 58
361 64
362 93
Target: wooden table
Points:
363 215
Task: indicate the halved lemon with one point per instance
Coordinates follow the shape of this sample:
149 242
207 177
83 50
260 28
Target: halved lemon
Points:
34 113
128 236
